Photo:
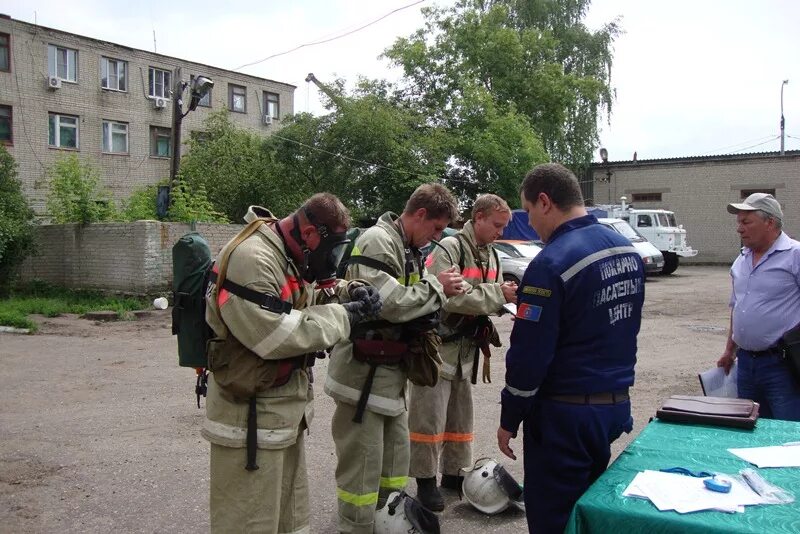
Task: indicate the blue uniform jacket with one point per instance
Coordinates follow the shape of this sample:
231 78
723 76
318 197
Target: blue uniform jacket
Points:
578 315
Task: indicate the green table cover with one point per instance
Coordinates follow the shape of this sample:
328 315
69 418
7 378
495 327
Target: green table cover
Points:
603 509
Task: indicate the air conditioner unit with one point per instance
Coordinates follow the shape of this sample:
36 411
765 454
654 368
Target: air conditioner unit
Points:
159 103
267 119
53 82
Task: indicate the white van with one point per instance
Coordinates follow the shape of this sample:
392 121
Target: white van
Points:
651 256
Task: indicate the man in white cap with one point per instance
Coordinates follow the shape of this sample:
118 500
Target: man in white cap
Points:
765 304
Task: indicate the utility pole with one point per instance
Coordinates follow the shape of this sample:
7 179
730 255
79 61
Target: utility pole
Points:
783 121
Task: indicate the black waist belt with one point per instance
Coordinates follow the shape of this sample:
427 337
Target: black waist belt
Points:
772 351
609 397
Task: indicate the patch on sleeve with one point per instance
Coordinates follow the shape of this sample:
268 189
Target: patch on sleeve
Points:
538 291
529 312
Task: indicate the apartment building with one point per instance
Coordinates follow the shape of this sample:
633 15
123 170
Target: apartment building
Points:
62 93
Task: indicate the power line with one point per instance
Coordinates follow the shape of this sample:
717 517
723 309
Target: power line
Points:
716 150
343 156
331 38
774 138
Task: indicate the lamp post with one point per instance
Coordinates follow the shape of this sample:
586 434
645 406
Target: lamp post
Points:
783 122
200 85
608 173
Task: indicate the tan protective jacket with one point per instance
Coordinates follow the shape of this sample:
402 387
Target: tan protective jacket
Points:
401 303
484 297
261 263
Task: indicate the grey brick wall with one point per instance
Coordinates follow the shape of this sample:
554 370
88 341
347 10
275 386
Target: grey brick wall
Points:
698 190
133 258
24 88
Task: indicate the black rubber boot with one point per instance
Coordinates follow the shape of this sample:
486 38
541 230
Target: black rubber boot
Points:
428 494
452 482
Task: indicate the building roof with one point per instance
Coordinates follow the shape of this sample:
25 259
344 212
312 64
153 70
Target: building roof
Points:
102 42
696 159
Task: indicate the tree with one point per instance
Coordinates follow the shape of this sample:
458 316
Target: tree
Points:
75 195
235 168
369 151
16 223
534 57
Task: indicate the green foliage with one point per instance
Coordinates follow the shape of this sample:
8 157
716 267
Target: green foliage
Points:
16 222
75 195
52 301
141 205
535 58
189 204
369 151
234 166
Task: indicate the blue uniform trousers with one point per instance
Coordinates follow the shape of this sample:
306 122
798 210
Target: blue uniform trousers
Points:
768 381
566 448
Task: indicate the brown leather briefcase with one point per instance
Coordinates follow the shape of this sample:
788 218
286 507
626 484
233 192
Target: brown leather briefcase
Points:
719 411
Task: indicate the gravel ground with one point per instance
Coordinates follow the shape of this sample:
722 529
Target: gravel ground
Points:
99 430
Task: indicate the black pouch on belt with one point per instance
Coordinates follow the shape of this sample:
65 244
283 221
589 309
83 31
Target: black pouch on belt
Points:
790 344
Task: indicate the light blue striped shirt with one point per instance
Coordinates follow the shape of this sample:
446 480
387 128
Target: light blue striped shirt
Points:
766 298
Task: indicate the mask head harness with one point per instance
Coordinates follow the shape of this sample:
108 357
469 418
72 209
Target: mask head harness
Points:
321 263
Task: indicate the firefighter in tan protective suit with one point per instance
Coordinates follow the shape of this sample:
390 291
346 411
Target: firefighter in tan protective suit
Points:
440 418
258 473
366 374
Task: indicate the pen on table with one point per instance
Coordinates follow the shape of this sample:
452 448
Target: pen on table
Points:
791 443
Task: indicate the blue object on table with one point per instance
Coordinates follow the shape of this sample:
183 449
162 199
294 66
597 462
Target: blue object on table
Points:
720 485
687 472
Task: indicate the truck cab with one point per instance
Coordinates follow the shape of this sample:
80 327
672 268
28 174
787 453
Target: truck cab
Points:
661 228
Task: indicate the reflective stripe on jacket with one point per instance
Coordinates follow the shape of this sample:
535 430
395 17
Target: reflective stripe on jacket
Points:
346 375
261 263
483 298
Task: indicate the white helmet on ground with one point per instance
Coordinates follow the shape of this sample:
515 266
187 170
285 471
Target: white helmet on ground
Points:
490 488
402 514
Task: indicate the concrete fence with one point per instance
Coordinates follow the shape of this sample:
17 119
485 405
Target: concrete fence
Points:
134 258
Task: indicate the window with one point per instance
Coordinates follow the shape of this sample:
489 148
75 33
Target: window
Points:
6 133
237 98
5 52
643 220
113 74
115 137
646 197
747 192
160 142
206 100
271 105
63 131
62 63
160 83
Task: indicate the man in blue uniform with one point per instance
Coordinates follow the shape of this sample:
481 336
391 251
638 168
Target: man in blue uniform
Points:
573 348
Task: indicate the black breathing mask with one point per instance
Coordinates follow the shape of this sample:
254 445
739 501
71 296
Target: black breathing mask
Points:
320 264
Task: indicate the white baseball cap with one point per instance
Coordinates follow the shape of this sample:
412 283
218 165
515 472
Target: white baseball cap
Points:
758 202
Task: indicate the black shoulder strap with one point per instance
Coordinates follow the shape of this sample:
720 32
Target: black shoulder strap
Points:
496 264
460 239
265 301
373 263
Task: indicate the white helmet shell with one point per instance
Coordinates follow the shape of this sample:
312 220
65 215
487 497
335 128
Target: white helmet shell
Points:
487 486
403 515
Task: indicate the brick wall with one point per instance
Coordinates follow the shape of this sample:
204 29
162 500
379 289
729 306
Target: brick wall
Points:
131 258
698 191
25 90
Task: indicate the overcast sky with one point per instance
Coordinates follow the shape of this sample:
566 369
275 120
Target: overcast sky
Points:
692 77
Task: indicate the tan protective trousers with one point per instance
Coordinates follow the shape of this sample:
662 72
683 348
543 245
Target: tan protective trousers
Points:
441 428
270 500
372 462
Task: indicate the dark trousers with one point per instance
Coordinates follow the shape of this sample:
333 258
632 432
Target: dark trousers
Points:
768 381
566 448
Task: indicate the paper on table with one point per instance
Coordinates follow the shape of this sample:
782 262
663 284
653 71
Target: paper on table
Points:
716 383
774 456
670 491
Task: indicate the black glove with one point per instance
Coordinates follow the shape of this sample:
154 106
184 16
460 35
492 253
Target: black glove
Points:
355 312
369 296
